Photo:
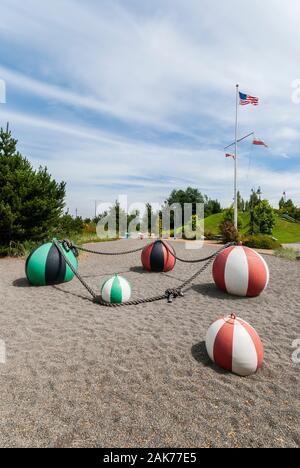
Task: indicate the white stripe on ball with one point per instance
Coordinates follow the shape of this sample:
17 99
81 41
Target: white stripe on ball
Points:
211 337
126 289
106 289
237 272
243 349
266 267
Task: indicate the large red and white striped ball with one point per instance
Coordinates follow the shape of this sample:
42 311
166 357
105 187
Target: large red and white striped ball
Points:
241 271
235 346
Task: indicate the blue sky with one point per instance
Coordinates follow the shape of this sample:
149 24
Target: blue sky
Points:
137 97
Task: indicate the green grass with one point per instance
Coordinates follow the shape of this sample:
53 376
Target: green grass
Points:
86 238
284 231
211 223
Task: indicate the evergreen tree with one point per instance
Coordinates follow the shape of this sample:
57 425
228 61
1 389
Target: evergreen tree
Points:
254 199
212 207
31 202
264 217
253 202
240 202
282 203
287 207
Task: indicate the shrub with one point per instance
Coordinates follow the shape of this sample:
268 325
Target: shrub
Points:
18 249
89 228
228 215
261 241
69 226
209 235
229 232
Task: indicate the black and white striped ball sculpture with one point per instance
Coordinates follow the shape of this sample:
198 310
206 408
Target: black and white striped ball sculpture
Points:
157 257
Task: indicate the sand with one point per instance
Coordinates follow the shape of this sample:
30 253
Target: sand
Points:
80 375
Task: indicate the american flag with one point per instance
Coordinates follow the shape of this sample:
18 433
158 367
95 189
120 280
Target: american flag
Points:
229 155
245 99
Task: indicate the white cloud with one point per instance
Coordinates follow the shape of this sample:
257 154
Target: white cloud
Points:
97 166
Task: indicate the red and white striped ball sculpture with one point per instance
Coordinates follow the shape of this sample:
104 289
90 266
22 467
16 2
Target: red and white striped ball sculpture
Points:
157 257
241 271
235 346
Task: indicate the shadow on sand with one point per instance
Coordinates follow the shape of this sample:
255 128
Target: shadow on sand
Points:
79 296
210 290
21 283
200 355
141 271
138 269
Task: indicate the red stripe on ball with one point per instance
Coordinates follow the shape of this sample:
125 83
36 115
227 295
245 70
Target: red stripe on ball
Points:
223 345
219 268
257 273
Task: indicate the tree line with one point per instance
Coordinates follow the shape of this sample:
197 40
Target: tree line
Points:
32 203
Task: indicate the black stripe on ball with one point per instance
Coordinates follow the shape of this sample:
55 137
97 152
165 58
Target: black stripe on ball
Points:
55 267
157 259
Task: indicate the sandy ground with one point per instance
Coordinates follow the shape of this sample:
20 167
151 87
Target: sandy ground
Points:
78 374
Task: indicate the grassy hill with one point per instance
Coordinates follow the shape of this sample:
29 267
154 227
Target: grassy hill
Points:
284 231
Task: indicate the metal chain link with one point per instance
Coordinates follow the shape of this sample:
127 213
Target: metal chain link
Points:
169 294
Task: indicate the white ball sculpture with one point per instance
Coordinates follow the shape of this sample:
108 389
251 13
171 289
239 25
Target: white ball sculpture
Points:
235 346
241 271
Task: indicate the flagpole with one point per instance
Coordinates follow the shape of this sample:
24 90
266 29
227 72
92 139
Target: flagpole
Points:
235 159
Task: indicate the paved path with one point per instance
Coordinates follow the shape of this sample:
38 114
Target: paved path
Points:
292 246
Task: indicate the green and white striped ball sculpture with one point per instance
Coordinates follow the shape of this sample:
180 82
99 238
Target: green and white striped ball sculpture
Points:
46 265
116 290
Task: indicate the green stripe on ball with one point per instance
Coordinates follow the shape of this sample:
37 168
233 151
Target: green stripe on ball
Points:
116 290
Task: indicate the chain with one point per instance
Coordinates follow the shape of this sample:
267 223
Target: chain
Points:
169 294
